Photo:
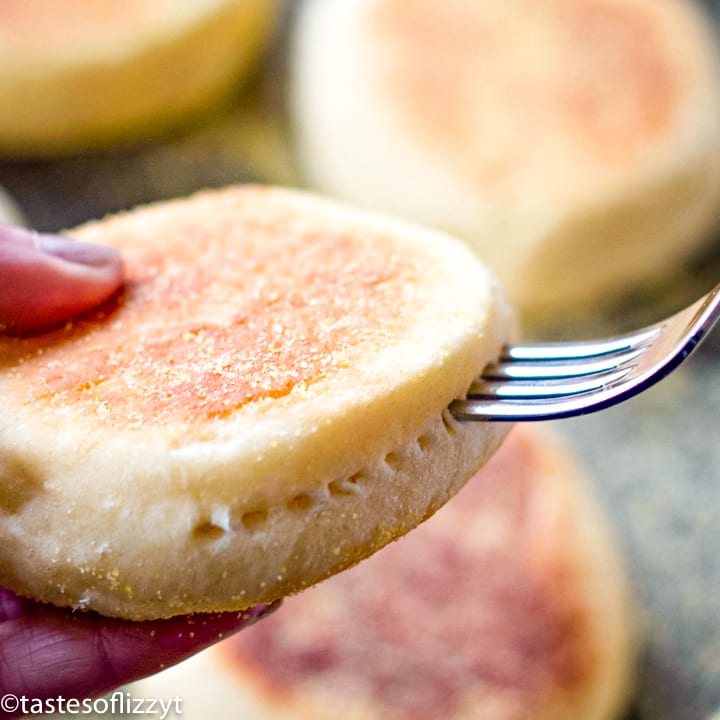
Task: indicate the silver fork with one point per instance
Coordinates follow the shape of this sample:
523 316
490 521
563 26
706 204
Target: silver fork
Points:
556 380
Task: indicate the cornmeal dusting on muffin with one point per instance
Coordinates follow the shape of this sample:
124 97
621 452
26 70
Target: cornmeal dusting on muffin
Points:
304 305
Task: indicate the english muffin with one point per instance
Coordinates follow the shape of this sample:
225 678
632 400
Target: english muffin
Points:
264 405
510 603
77 75
575 144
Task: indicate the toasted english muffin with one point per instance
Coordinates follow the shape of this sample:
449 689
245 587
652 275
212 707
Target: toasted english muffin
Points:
510 603
77 75
263 406
575 144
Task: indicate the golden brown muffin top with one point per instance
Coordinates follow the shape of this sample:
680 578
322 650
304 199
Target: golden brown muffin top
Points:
218 311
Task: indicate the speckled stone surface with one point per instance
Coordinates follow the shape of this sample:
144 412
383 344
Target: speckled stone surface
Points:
655 459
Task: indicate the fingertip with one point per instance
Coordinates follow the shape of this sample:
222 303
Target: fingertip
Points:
136 650
190 633
48 280
52 651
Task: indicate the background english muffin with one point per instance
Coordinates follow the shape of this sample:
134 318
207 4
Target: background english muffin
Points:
510 603
574 144
78 75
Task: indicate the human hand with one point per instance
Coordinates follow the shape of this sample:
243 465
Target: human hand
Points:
46 652
46 279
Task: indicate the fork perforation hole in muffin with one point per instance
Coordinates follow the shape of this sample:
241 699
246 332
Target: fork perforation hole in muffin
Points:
392 460
347 486
299 503
207 530
254 519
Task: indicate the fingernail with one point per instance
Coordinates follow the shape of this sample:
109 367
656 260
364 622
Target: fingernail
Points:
264 611
75 251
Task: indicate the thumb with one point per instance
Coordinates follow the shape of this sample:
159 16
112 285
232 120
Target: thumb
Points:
47 279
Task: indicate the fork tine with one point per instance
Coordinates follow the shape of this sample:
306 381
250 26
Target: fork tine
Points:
578 350
522 410
543 382
563 387
539 370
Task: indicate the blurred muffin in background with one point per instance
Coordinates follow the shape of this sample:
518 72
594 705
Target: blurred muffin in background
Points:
575 144
509 603
79 75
